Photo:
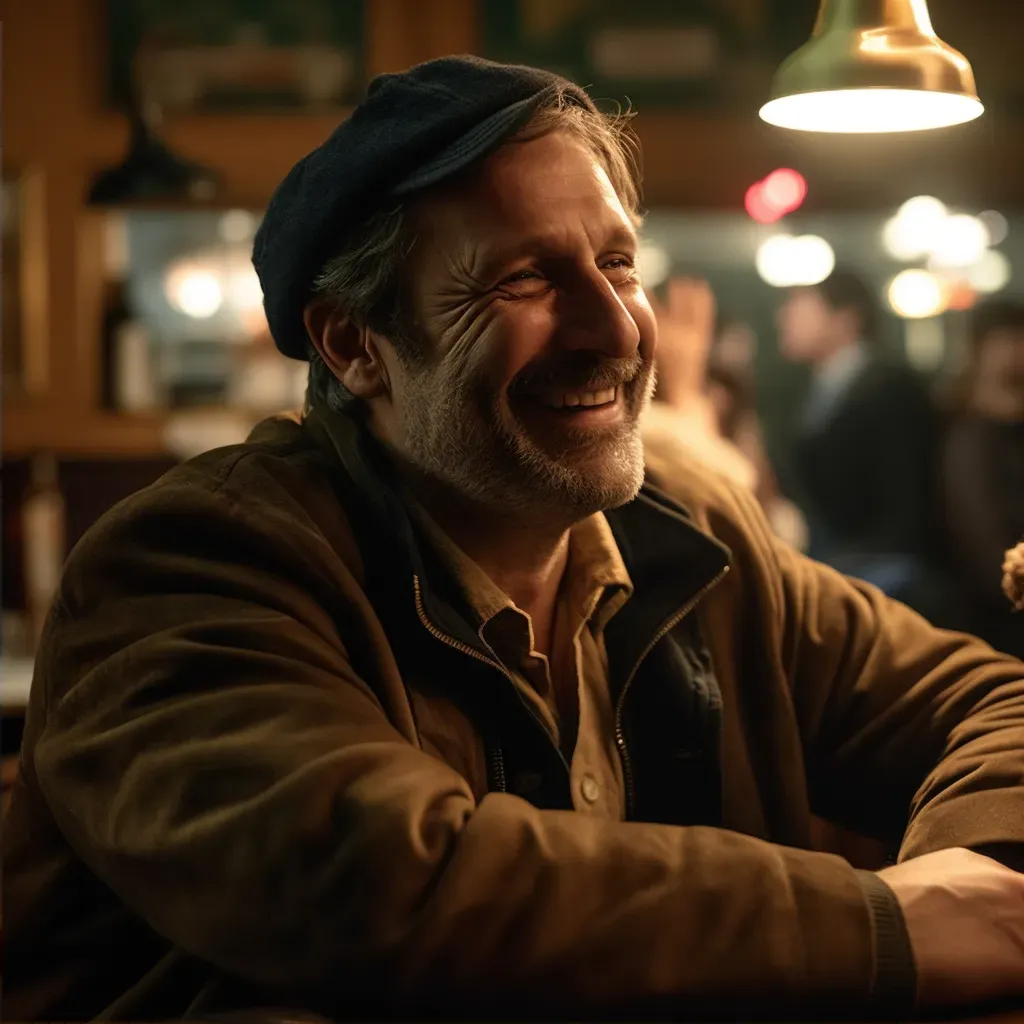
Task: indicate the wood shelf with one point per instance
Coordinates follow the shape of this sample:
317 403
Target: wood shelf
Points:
32 427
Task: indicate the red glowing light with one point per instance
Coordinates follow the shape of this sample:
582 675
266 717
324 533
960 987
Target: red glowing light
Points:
785 189
758 207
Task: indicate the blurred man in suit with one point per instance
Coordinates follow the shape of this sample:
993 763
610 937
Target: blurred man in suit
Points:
865 448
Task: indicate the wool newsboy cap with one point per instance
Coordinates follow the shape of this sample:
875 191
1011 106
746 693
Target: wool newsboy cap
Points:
412 130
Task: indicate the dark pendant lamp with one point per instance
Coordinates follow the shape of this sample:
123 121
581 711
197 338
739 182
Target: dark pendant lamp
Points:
150 171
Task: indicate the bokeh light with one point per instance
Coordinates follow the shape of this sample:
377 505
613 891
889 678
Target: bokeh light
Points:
960 241
991 273
996 225
653 263
194 291
784 189
916 293
913 232
757 206
785 261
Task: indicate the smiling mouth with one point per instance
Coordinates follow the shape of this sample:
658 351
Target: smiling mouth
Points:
578 399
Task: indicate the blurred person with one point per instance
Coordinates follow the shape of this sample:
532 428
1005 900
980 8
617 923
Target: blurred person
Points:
866 446
982 469
425 704
705 411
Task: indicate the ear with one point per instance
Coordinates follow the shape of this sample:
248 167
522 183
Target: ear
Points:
349 349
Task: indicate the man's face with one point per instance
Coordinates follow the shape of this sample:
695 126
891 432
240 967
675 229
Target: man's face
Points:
539 338
1001 360
805 326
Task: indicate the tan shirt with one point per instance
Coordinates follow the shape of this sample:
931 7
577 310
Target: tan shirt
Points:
569 690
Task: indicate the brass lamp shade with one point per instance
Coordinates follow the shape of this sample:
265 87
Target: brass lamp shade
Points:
873 66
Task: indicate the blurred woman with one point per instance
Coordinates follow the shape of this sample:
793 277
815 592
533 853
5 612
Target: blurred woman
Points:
982 471
707 412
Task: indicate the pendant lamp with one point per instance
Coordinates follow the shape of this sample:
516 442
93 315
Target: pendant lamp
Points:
873 66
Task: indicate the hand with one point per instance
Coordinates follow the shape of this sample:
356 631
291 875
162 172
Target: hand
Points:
686 326
965 917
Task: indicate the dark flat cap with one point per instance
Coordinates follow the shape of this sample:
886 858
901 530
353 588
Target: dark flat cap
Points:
413 129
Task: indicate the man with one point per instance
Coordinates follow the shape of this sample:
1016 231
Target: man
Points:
865 453
424 706
982 469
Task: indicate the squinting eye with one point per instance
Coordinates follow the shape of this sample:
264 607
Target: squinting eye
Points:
523 284
620 268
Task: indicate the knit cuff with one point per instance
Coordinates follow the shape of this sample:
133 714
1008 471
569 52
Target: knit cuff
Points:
894 986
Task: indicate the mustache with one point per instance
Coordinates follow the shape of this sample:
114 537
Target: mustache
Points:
577 371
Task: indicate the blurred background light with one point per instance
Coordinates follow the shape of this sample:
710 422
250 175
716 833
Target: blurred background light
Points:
757 206
856 111
961 240
992 273
653 262
784 189
915 294
237 226
781 192
785 261
194 291
996 225
913 231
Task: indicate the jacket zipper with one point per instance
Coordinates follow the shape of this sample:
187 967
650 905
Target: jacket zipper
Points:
496 755
620 738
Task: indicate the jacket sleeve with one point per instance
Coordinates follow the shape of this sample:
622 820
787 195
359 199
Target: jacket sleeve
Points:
209 750
902 722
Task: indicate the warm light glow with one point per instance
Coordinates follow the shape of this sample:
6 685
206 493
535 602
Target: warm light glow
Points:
756 204
914 294
991 273
195 292
784 189
914 230
787 262
996 225
654 264
961 241
237 226
870 110
244 289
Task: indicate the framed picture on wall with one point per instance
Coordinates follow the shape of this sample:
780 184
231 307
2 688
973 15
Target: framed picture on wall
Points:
236 55
689 53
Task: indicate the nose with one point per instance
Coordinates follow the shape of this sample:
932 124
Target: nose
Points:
594 318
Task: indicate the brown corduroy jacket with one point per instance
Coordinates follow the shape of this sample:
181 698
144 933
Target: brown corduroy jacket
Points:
265 764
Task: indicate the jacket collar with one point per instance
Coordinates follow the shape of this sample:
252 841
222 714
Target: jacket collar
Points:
670 560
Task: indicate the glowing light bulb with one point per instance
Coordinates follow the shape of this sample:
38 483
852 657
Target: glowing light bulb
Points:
858 111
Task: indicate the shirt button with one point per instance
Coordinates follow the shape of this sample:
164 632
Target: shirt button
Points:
589 789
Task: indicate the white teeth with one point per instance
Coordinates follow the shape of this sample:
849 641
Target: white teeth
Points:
571 399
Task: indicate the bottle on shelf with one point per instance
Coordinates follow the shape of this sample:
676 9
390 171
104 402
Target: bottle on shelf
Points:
44 532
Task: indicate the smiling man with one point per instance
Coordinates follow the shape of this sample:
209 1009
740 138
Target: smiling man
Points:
429 704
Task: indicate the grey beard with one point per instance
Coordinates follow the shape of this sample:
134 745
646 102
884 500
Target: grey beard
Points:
480 459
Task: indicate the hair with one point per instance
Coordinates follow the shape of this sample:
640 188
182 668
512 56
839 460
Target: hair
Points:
994 315
844 290
365 280
985 319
